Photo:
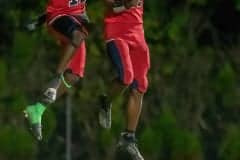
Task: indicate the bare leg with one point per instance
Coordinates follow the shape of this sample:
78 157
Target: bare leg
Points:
67 53
127 141
68 50
134 108
56 84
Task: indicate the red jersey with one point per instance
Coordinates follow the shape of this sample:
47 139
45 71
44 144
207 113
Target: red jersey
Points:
59 7
132 15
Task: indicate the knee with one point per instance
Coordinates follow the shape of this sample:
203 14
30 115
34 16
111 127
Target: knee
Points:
137 95
78 37
141 85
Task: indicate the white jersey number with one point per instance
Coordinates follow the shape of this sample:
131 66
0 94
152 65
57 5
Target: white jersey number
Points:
140 3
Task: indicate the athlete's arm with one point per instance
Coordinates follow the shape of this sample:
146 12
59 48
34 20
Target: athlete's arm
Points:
131 3
41 19
36 23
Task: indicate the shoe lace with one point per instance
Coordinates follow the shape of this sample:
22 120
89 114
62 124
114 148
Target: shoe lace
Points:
134 151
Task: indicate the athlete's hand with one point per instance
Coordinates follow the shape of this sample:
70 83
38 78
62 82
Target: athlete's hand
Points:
122 5
31 26
28 26
35 23
118 6
130 3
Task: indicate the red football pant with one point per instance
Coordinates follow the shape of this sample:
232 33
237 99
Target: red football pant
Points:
129 53
77 63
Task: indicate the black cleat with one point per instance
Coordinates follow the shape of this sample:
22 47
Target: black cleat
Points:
129 145
104 115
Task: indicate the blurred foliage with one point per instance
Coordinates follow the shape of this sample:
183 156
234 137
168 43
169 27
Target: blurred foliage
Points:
191 110
230 145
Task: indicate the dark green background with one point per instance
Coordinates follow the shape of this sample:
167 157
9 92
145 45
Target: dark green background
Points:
191 110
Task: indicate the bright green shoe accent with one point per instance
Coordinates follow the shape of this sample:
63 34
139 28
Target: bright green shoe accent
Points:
65 82
35 112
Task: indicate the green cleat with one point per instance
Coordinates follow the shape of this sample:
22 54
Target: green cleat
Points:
33 116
